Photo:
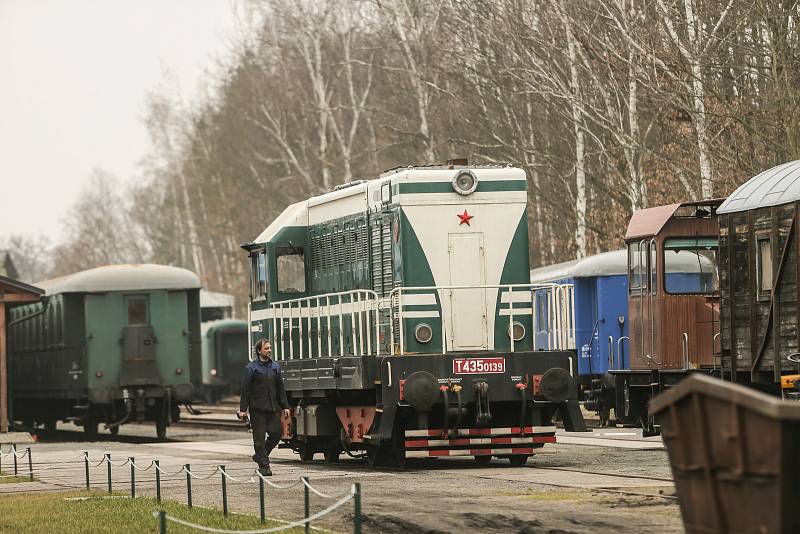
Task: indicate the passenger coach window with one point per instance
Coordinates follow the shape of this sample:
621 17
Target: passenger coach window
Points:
291 272
690 265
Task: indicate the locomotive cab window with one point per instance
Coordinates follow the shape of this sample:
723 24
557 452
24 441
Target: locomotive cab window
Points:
764 266
690 265
291 270
258 275
637 265
137 310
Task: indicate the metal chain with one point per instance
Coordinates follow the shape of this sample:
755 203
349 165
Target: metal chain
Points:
317 492
272 484
188 472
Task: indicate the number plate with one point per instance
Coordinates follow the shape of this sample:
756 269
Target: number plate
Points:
478 366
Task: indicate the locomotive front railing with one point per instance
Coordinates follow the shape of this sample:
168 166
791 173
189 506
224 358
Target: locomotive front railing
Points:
560 314
360 305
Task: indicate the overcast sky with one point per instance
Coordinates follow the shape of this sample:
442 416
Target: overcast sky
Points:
75 77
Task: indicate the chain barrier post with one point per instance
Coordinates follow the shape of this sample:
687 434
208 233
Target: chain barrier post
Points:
30 464
133 477
224 491
162 522
188 468
306 503
261 499
158 480
14 450
108 460
357 508
86 467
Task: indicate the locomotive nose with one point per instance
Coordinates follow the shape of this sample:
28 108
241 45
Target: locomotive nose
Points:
556 384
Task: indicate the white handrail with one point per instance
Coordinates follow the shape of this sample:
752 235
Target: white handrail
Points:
361 303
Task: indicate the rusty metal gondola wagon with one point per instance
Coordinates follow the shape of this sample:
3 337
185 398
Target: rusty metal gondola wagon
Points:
734 456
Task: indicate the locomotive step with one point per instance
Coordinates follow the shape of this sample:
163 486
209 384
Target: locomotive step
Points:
471 452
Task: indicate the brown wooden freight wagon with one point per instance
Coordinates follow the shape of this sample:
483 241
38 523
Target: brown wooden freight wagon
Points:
759 280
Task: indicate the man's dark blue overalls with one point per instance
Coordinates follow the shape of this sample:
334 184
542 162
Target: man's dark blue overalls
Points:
264 396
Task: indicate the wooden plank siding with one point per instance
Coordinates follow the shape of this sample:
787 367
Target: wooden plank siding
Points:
746 323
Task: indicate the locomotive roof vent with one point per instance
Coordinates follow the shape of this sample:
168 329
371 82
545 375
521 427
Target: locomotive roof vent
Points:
461 162
348 184
465 182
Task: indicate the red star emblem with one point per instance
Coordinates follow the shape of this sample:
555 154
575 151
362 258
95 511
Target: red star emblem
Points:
465 217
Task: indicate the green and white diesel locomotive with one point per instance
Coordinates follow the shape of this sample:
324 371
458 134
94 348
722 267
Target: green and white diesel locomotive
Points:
401 312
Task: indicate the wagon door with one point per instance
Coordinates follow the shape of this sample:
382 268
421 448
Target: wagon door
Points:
468 329
138 344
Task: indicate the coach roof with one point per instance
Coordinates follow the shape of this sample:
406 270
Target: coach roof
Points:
604 264
773 187
127 277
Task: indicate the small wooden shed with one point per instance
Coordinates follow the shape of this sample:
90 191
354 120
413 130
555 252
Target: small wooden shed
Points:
11 292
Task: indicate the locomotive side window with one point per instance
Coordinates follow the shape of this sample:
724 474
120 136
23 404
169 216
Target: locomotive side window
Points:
258 275
137 310
636 265
291 272
764 265
690 265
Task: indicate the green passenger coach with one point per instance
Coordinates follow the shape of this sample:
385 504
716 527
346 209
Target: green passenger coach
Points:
113 344
400 310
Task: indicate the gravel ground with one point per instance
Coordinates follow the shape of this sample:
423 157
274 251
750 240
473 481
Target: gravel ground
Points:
575 488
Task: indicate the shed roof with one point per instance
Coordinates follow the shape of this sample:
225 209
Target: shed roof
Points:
212 299
10 285
773 187
127 277
604 264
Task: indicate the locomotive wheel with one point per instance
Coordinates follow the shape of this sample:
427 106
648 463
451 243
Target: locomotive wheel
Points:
161 428
332 456
50 425
483 459
376 455
307 452
518 460
90 429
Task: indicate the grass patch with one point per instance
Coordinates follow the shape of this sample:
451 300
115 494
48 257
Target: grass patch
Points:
98 512
5 479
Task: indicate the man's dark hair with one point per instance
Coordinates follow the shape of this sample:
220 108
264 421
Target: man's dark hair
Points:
261 344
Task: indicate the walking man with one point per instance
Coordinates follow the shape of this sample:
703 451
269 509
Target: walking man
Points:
264 396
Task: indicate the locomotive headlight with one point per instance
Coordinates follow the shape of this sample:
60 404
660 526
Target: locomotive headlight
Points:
517 330
465 182
178 371
423 333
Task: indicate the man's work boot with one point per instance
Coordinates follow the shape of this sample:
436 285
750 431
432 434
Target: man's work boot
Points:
265 471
